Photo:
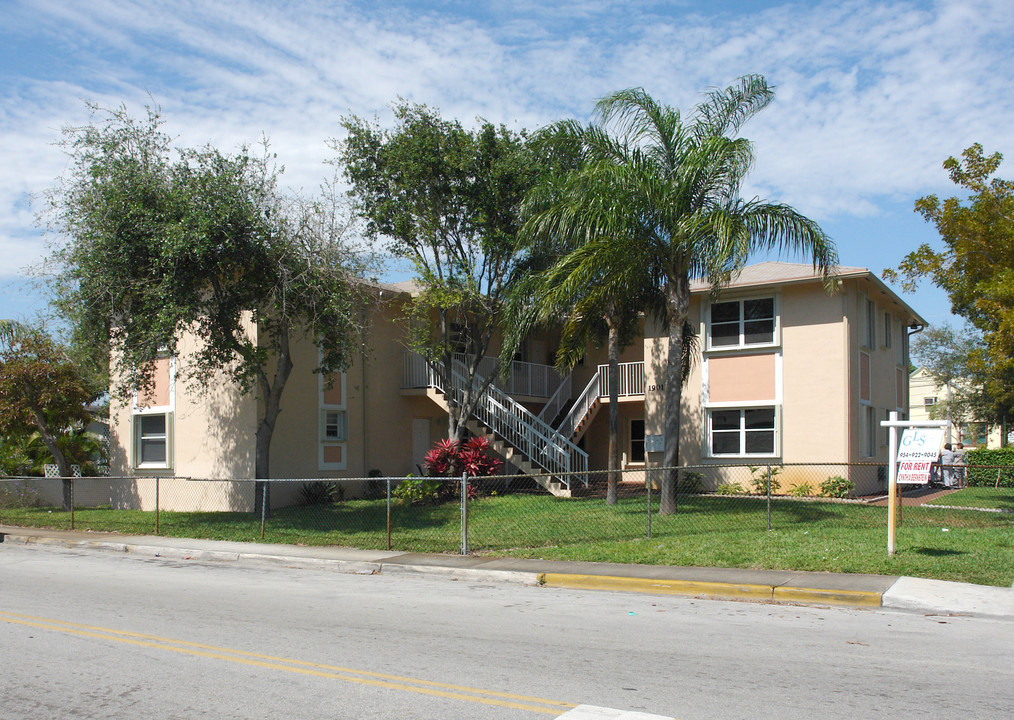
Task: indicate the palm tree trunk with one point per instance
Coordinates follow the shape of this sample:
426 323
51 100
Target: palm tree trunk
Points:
612 477
678 302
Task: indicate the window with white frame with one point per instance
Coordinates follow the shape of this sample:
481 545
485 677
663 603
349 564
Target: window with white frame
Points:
741 323
152 418
152 448
928 402
332 402
742 432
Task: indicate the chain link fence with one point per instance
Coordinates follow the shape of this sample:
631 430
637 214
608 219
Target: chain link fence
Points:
712 505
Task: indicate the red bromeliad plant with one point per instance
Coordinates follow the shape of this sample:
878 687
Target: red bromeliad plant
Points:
449 458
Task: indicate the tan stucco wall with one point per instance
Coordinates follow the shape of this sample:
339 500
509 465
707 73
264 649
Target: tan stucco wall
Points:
212 436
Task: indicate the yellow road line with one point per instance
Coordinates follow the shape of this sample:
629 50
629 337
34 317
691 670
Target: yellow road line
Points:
365 677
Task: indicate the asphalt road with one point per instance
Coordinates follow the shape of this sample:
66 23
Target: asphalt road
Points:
93 635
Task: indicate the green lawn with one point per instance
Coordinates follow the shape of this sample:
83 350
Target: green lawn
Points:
979 497
949 544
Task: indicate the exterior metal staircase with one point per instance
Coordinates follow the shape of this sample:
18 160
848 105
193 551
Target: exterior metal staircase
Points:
520 437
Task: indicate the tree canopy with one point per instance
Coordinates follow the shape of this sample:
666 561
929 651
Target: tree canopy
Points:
975 267
41 391
658 202
447 199
163 242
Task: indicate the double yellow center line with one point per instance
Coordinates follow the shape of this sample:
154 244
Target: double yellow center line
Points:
272 662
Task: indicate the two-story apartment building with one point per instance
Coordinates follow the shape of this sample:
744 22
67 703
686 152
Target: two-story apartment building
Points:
789 373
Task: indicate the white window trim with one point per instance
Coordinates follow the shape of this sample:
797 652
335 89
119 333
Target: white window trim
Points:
776 336
138 411
708 453
323 409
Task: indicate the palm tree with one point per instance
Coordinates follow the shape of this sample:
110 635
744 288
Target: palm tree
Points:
658 205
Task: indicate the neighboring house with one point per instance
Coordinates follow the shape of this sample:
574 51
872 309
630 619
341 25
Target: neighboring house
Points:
929 402
789 374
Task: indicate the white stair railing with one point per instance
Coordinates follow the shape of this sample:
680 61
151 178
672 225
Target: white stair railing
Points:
509 420
584 403
555 404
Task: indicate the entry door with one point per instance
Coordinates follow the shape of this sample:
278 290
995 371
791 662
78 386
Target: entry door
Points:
420 440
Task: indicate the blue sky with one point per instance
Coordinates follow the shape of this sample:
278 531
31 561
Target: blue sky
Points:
872 95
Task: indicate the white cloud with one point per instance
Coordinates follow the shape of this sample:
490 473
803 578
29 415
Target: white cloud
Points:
872 96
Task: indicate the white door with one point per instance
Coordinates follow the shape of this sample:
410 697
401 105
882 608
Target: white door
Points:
420 440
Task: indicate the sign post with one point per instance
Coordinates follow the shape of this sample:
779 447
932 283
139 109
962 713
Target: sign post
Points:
919 449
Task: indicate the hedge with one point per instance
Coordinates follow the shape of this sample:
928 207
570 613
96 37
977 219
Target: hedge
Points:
986 476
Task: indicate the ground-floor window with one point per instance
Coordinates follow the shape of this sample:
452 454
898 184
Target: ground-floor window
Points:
742 431
151 440
637 441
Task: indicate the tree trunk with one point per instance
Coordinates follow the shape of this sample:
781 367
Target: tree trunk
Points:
63 467
678 304
272 394
612 477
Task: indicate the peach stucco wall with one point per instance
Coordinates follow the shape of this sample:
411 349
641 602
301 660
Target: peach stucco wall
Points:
742 378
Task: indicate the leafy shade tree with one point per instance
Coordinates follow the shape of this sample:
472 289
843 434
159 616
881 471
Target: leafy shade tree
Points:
162 243
447 200
947 355
976 265
660 200
41 391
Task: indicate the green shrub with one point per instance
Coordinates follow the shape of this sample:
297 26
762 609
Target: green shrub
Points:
322 493
691 483
420 491
759 479
804 489
731 488
987 476
18 495
837 487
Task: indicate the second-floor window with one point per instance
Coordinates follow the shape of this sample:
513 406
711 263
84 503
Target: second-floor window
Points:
739 323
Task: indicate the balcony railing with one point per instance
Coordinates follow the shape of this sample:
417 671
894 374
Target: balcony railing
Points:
525 378
631 379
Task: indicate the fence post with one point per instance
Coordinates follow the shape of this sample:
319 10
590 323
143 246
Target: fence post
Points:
647 477
157 507
769 495
264 506
464 513
388 513
72 503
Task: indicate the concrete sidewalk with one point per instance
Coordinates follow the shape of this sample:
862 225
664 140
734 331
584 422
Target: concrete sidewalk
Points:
927 596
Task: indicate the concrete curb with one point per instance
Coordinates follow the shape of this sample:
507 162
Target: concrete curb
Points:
934 597
717 590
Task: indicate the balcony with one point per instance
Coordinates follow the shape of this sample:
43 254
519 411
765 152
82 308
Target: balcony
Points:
524 380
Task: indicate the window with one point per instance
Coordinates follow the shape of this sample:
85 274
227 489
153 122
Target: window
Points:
738 323
334 426
870 430
871 323
332 402
637 441
152 418
748 431
928 402
151 440
888 329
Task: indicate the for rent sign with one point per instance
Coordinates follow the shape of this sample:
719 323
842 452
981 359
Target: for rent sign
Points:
918 450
